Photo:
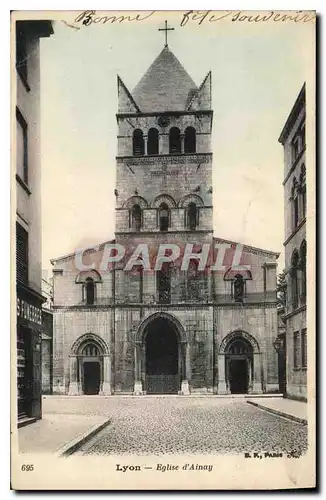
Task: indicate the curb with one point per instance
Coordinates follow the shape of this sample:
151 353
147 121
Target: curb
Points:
26 421
279 413
76 443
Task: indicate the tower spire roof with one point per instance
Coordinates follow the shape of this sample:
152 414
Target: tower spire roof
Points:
166 85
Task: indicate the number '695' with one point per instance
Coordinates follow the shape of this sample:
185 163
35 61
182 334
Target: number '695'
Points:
27 467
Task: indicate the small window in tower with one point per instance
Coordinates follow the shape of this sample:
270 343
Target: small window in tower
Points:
238 288
136 217
164 217
90 291
152 142
190 140
175 140
192 216
138 143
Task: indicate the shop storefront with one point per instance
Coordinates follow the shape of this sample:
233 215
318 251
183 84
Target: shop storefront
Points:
29 358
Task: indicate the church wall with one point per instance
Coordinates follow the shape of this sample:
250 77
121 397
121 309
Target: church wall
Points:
68 326
261 323
69 293
198 324
260 288
180 178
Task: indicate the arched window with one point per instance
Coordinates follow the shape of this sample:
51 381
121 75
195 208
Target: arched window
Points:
196 285
238 288
136 218
303 268
164 217
295 279
303 191
90 349
152 142
138 143
295 203
175 141
192 216
90 291
163 283
190 140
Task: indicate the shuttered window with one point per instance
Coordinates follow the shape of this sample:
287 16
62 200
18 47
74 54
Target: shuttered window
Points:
21 254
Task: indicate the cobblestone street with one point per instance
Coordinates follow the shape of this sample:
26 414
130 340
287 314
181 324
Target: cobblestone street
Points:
163 425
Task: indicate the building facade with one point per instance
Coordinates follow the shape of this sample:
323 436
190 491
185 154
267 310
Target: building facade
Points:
28 216
181 324
293 139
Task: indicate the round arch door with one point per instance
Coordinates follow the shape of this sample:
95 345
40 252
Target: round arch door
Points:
239 366
90 368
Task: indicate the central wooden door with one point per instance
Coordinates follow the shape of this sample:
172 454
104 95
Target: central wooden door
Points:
92 377
162 359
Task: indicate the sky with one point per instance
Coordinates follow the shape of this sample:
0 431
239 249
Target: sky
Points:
257 72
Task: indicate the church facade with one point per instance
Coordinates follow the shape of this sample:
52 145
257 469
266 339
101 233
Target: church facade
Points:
181 311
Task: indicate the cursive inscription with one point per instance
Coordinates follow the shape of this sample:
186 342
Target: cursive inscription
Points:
88 17
201 16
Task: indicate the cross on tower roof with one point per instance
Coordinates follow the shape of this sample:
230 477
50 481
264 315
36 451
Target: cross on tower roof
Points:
166 29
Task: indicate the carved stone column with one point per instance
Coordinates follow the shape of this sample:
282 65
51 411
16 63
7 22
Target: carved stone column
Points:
106 384
249 365
185 374
257 382
73 385
222 387
138 386
182 141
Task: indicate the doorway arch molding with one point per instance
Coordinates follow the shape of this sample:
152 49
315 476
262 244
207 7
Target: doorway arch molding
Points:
76 358
89 337
140 333
239 334
140 351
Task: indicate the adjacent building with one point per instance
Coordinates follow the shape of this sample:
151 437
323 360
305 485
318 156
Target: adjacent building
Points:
172 329
293 139
47 335
28 216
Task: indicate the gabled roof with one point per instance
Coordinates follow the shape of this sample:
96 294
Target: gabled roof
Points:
248 248
88 249
166 86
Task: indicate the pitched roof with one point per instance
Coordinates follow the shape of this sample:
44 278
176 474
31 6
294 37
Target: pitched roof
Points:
166 86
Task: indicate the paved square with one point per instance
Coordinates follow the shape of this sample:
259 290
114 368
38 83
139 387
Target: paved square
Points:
176 425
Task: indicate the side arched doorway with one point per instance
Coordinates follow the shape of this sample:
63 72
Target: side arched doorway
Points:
239 364
90 367
161 356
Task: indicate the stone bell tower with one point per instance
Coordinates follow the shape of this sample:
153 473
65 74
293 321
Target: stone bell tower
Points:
163 195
